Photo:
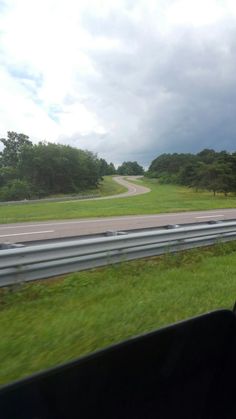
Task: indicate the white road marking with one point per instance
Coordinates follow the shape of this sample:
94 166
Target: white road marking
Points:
102 220
23 234
211 216
122 218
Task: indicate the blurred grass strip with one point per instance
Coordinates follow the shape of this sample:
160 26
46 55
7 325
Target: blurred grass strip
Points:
45 323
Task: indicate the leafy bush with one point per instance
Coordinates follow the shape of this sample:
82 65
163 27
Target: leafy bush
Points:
16 190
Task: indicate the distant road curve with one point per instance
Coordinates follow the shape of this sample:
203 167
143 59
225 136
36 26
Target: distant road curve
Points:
133 189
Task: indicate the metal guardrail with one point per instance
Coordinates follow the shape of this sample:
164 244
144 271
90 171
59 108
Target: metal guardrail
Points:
20 243
42 200
44 261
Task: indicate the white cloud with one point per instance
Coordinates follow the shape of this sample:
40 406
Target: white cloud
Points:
18 111
196 13
45 38
126 78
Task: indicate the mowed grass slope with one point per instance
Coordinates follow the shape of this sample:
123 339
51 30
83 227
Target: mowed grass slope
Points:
162 198
106 187
50 322
109 187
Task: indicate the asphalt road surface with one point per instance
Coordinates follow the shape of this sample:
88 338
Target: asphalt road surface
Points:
132 189
23 232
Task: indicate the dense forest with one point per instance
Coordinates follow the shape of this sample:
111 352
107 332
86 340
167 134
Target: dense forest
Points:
30 170
209 170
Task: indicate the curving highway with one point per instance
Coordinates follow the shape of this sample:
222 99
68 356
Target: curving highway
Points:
132 189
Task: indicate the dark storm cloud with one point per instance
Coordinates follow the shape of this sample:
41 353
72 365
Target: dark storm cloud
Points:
156 93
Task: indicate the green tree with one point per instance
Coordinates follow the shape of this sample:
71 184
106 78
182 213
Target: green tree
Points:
216 177
16 190
211 170
28 170
188 174
207 156
13 146
169 167
130 168
105 168
7 174
112 169
56 168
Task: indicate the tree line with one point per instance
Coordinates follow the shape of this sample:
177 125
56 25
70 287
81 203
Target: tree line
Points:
208 169
30 170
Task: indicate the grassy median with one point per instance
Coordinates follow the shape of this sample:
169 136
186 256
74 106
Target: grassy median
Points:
161 199
49 322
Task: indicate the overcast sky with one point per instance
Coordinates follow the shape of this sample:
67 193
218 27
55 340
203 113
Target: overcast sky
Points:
127 79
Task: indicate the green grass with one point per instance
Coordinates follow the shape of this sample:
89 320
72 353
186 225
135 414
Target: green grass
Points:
162 198
49 322
109 187
106 187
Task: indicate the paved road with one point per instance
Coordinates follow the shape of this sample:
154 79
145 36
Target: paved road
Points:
23 232
132 189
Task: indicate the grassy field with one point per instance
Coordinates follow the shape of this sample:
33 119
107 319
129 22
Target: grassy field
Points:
109 187
49 322
106 187
162 198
